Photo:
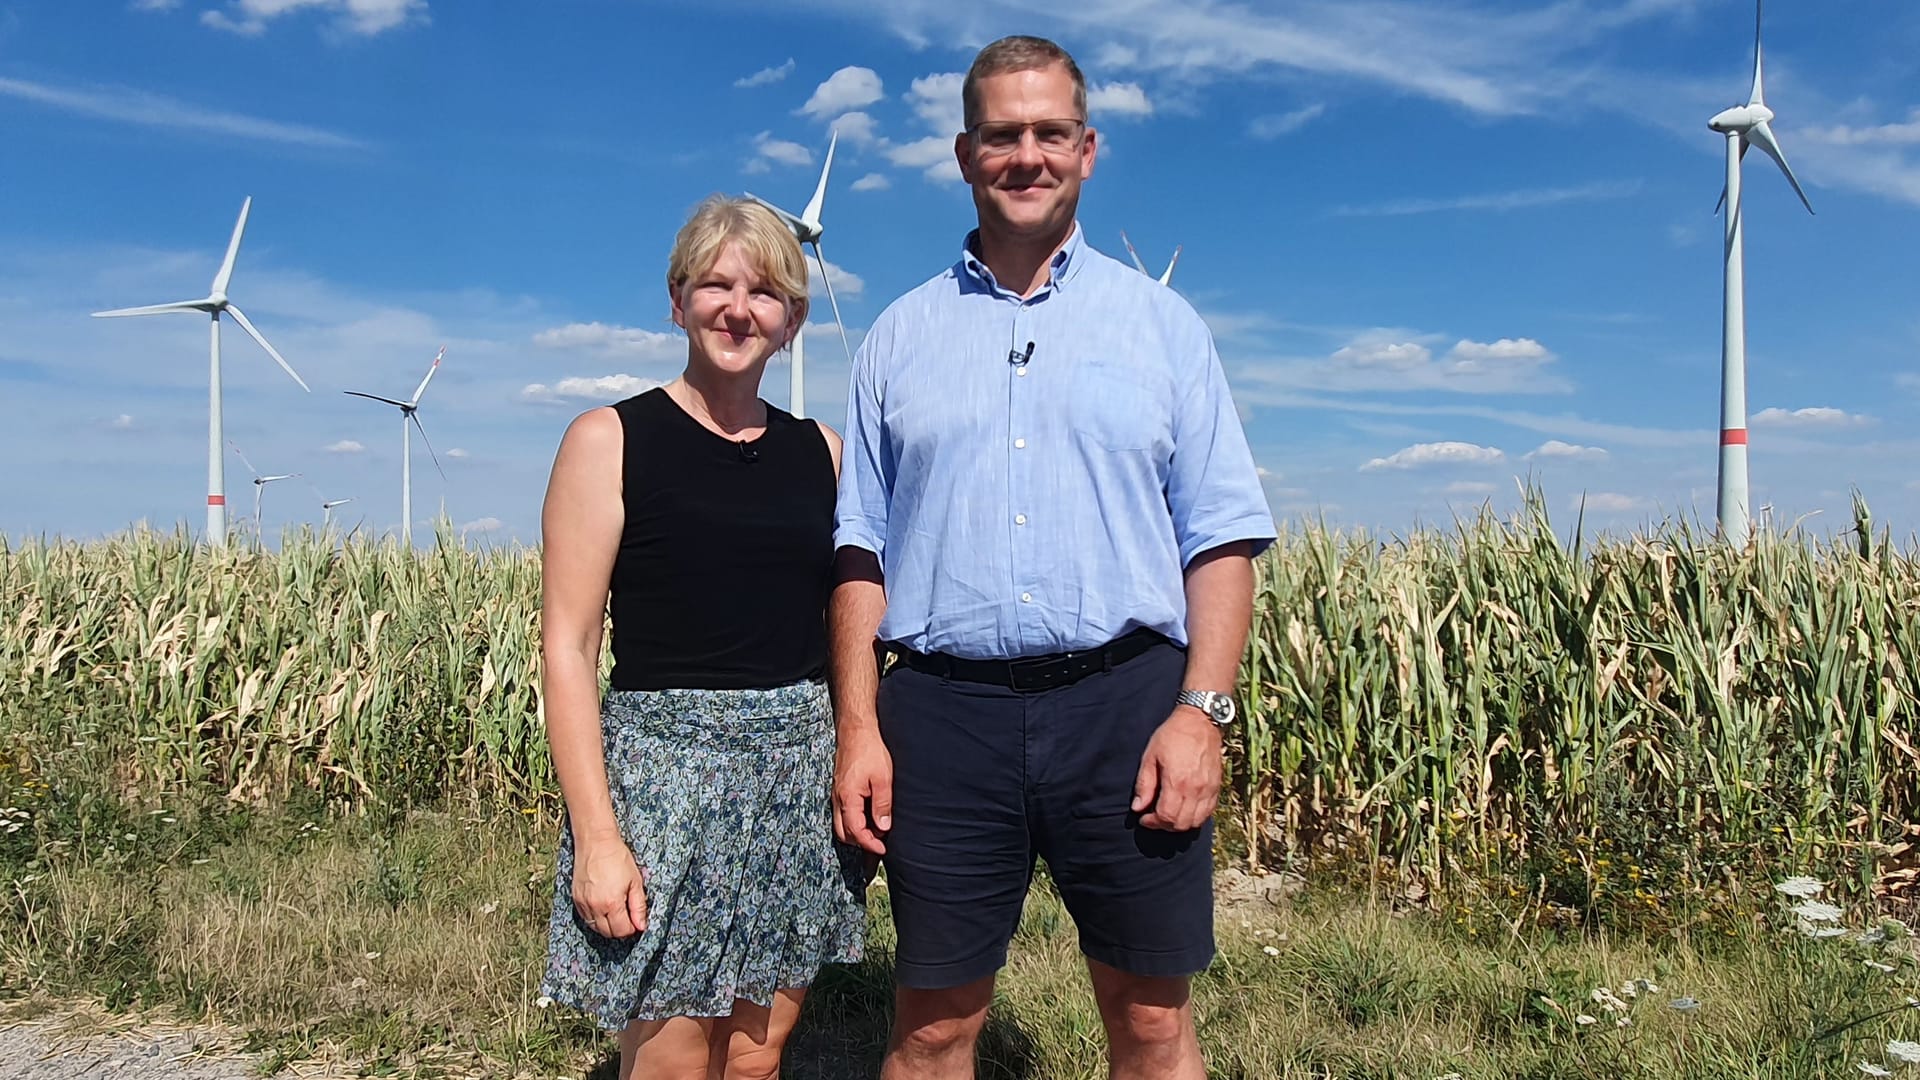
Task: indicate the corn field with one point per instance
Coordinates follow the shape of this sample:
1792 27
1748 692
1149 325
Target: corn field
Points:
1447 696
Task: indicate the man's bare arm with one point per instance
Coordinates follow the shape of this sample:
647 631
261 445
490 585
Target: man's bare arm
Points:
863 769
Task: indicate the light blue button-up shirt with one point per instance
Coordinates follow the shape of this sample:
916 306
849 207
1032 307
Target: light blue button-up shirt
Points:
1035 473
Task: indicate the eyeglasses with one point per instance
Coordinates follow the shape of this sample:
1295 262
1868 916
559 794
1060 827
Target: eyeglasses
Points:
994 138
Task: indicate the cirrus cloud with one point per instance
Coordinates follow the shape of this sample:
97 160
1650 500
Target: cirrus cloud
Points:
1554 448
605 388
1817 417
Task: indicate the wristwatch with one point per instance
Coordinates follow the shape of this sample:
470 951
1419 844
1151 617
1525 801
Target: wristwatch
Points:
1218 706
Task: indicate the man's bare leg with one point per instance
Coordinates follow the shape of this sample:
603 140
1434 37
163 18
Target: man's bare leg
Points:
1149 1023
934 1032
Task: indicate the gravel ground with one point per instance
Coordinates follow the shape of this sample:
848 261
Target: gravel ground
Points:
42 1051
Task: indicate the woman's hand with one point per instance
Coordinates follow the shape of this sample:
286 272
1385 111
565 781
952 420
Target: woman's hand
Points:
610 890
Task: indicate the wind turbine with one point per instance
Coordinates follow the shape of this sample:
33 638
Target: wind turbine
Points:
213 304
1744 126
326 509
259 488
807 229
1166 278
408 410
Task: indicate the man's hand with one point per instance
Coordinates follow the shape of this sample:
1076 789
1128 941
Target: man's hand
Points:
863 791
609 889
1179 782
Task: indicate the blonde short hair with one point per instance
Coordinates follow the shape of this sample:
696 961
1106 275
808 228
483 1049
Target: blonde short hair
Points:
763 237
1018 52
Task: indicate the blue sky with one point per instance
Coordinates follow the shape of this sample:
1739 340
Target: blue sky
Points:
1441 243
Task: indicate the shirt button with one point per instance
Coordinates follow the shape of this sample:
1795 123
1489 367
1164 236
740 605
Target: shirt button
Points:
1019 444
1022 372
1019 519
1026 598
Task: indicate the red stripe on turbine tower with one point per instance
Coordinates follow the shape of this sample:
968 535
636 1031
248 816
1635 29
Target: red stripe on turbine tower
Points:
1733 437
216 500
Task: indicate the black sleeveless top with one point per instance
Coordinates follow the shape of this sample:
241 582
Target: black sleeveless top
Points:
726 556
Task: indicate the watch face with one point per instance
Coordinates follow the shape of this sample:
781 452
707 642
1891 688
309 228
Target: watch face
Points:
1222 709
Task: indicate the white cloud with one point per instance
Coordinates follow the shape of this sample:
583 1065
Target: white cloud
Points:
781 150
483 525
845 282
154 5
873 181
624 341
345 446
766 76
1498 201
1471 353
366 18
1392 355
848 88
1611 502
459 453
1818 417
1554 448
857 128
936 101
1275 125
123 422
143 109
1896 134
1113 54
1121 99
1420 455
603 388
1470 487
932 155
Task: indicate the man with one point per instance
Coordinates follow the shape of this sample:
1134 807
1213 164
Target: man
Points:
1047 513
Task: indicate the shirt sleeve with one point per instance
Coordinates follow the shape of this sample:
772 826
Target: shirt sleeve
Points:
866 474
1213 487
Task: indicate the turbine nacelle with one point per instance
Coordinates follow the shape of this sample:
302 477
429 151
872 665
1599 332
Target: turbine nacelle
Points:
1741 118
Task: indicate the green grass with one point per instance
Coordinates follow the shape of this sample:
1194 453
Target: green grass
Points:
411 945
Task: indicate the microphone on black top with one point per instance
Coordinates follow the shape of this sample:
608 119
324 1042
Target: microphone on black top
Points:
749 453
1018 358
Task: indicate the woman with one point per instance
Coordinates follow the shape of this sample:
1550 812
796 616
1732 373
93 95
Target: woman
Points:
698 888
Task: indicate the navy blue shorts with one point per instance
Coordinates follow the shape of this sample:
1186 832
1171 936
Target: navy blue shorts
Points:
987 779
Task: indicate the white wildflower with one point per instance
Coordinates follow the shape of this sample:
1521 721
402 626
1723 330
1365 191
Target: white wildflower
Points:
543 1002
1877 965
489 907
1623 1021
1808 929
1906 1053
1684 1004
358 983
1270 951
1449 1076
1800 887
1816 911
1583 1020
373 956
1871 1069
1875 936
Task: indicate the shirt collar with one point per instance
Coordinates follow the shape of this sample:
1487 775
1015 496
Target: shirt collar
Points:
1064 265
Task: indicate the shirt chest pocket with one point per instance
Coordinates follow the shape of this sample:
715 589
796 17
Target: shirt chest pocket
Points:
1120 409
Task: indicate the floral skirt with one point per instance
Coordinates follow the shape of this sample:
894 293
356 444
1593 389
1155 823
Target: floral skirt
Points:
724 797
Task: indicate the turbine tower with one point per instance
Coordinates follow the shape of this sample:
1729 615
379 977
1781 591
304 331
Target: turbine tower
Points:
807 229
259 488
1744 126
213 304
1166 278
409 410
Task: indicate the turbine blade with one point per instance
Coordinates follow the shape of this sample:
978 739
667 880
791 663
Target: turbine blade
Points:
241 318
811 215
422 388
1758 95
233 250
243 458
1142 267
271 479
827 280
415 417
377 397
1167 278
792 222
156 309
1762 136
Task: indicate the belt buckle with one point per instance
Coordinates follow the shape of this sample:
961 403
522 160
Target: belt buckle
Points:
1034 672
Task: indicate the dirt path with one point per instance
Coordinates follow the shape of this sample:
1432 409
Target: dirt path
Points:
51 1050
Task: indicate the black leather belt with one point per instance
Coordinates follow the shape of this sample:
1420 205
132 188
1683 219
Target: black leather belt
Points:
1030 673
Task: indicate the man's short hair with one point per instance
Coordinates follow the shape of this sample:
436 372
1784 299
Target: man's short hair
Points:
1018 52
